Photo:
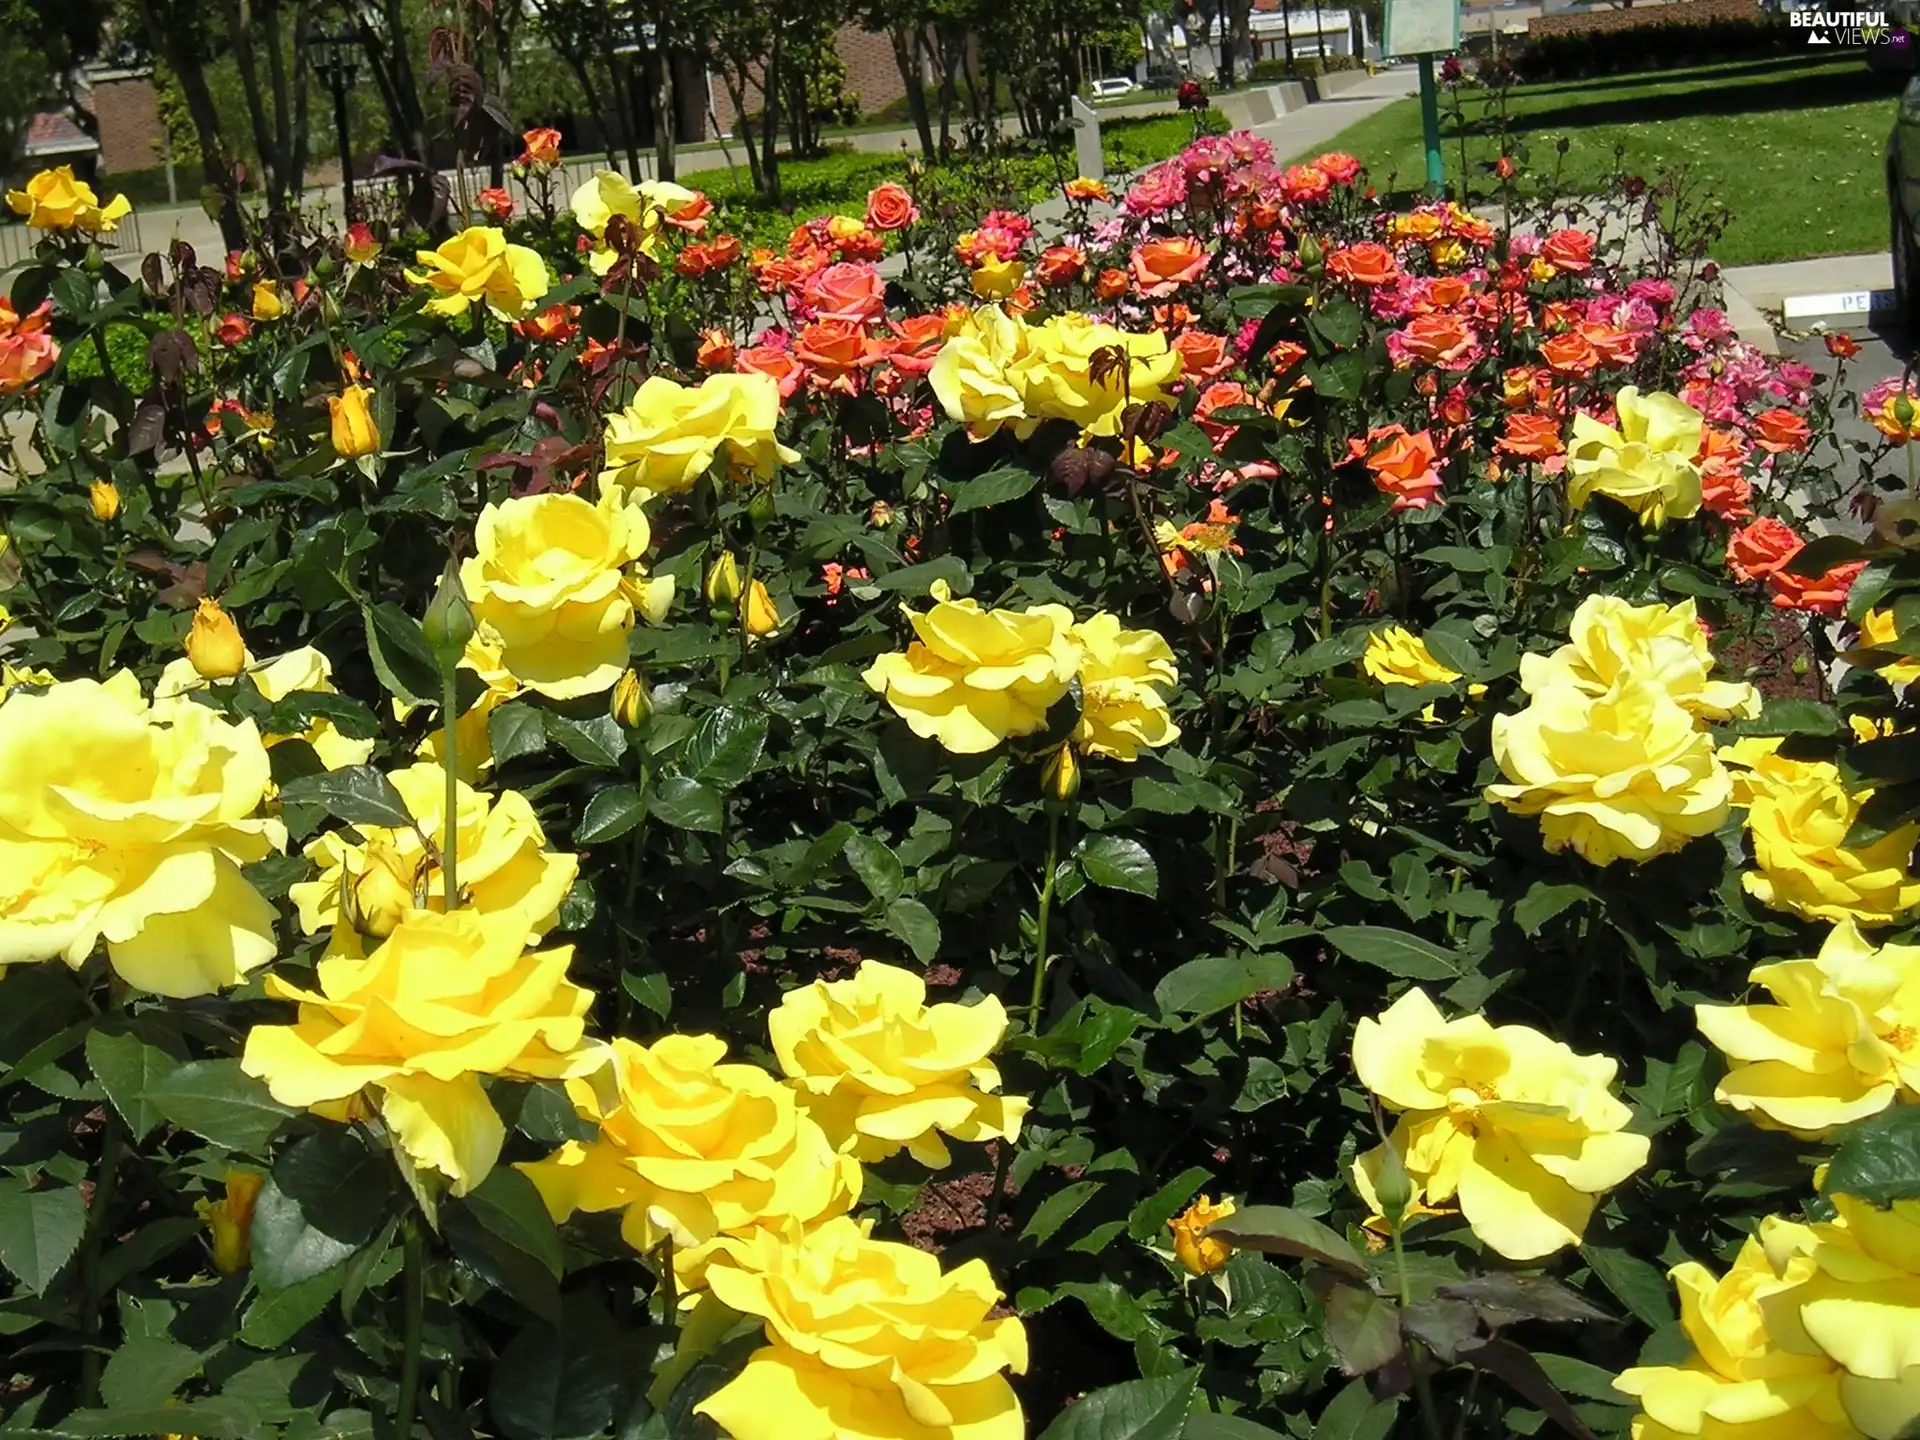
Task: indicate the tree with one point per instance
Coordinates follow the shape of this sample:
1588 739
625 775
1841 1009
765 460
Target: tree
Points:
178 33
255 32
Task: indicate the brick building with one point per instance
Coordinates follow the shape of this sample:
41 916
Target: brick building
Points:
126 116
872 74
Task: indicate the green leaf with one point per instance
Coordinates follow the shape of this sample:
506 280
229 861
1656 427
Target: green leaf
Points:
1393 951
1204 987
1154 1409
725 746
1058 1208
553 1381
599 742
685 804
1362 1328
1503 1298
996 487
508 1205
217 1101
1543 901
1278 1230
1822 553
39 1230
1116 863
276 1316
287 1248
357 794
516 729
1789 717
1226 1427
877 866
609 814
402 660
1879 1157
125 1065
218 1418
1636 1284
145 1370
916 927
1354 1414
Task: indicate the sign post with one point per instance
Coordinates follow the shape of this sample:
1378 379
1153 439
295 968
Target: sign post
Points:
1422 29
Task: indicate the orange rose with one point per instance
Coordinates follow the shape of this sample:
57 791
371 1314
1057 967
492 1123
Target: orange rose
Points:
716 349
890 207
1723 489
917 343
1060 265
1111 285
27 349
853 293
1614 347
1203 355
1337 166
1436 339
1531 437
1568 251
1368 263
1823 595
1403 465
232 328
1222 395
1761 548
691 215
1779 431
1081 188
555 325
1161 267
787 372
360 246
1284 356
1570 354
543 146
836 351
495 202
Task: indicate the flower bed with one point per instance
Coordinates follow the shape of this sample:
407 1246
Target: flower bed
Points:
1237 818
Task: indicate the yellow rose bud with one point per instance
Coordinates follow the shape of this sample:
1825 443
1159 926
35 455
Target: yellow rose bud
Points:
231 1220
354 431
214 644
723 582
105 499
631 704
382 895
1060 777
267 304
759 616
1193 1248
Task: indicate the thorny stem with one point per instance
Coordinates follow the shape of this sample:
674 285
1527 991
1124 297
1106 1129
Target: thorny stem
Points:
413 1321
1423 1387
112 1144
1040 922
450 762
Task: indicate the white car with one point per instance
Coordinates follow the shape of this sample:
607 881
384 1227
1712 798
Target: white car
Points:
1113 87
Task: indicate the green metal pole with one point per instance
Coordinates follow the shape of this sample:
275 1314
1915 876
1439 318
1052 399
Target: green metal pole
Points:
1430 128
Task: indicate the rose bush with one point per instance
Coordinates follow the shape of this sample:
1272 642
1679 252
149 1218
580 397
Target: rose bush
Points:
1159 824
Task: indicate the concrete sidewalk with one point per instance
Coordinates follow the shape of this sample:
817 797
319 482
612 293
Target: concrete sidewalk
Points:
1302 133
1753 292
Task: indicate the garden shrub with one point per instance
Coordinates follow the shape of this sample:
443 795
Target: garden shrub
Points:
1238 817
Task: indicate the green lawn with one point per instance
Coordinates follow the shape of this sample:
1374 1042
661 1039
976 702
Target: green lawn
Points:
1793 148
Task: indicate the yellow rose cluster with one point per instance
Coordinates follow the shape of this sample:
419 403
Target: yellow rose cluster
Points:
643 206
1612 752
1798 816
1518 1130
975 677
56 200
1646 463
997 371
444 1000
1814 1331
1840 1041
479 266
554 585
669 434
132 828
302 671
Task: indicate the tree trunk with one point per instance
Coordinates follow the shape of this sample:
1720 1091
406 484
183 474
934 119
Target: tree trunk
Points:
770 121
737 93
666 116
302 77
393 77
906 55
240 36
188 70
622 110
1286 32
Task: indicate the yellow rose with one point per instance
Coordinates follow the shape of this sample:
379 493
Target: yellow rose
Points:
55 200
669 434
1396 656
1056 377
972 375
1839 1044
996 279
129 822
881 1070
1198 1252
354 431
14 676
443 1001
230 1220
645 207
696 1150
504 865
1880 631
213 643
759 616
1646 464
479 266
1663 645
1798 814
1123 674
267 304
1740 1383
103 498
1622 776
302 671
867 1338
546 587
1525 1134
976 677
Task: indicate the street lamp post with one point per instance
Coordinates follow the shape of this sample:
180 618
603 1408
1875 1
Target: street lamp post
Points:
336 60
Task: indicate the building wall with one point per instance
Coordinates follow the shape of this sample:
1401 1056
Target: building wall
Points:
1684 12
871 73
128 111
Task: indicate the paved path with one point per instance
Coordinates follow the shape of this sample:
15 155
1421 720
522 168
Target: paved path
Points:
1304 133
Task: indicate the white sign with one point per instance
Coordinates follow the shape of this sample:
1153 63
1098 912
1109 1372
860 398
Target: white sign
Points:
1848 302
1421 27
1086 140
